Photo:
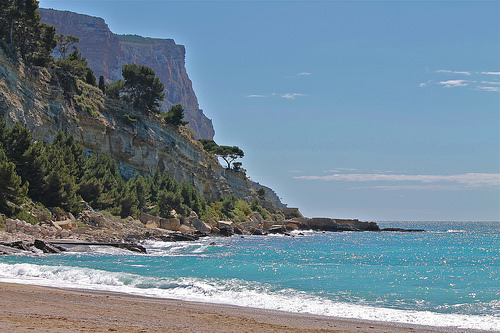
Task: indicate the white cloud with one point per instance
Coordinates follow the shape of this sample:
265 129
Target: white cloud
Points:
490 82
468 180
301 74
452 72
256 96
340 170
488 88
292 95
454 83
490 73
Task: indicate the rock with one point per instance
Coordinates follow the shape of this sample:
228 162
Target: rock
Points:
185 229
152 224
200 225
276 229
291 227
21 245
47 247
258 232
402 230
66 224
225 228
178 237
170 224
323 224
7 250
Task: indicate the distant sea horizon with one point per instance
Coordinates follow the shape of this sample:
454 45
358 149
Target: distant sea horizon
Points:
448 276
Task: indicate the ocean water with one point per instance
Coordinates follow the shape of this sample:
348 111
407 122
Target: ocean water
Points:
446 276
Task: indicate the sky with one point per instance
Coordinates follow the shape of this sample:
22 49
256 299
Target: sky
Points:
375 110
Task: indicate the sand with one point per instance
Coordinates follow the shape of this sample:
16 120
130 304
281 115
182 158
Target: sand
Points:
27 308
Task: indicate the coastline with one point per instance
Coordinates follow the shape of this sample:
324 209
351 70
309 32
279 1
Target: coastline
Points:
46 309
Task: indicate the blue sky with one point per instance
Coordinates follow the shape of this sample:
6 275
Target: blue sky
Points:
377 110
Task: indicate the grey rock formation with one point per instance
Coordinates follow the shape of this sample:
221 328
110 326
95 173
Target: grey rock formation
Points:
106 53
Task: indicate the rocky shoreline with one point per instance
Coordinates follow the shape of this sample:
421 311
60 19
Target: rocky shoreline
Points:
97 228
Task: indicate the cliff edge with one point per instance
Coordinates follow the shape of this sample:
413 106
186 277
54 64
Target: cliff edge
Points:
107 52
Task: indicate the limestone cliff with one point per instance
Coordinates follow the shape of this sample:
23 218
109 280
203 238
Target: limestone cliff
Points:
139 142
106 53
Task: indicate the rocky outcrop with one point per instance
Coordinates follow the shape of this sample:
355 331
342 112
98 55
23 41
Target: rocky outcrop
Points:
106 53
327 224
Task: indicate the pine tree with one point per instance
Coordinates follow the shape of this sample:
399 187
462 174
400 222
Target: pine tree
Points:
12 191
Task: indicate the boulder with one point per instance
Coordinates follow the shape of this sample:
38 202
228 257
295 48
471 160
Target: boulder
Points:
170 224
276 229
257 232
66 224
226 228
185 229
152 224
291 226
323 224
146 218
200 225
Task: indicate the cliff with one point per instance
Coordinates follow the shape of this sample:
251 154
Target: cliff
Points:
106 53
31 96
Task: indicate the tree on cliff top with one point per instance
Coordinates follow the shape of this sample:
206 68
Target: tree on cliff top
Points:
175 116
142 87
227 153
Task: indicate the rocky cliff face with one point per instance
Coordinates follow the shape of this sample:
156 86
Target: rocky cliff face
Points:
28 95
106 53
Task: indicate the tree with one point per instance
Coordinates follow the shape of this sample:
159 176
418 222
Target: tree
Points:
76 65
209 145
102 185
114 89
20 26
64 43
175 116
11 189
142 87
44 46
102 84
229 154
17 141
237 166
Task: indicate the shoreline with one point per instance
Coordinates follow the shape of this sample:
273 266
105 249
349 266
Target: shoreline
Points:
26 307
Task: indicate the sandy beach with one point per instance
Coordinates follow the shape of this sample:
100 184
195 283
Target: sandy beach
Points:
27 308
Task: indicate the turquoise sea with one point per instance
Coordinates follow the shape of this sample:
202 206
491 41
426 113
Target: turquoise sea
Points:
446 276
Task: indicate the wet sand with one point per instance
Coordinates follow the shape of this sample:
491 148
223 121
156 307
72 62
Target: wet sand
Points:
27 308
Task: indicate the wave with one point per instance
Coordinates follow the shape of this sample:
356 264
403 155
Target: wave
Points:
229 291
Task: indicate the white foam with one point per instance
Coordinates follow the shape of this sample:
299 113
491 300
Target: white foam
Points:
232 292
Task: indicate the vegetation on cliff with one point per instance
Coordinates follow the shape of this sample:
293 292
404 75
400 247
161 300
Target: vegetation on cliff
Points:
60 174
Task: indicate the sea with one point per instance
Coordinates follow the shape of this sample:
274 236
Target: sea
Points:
447 276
